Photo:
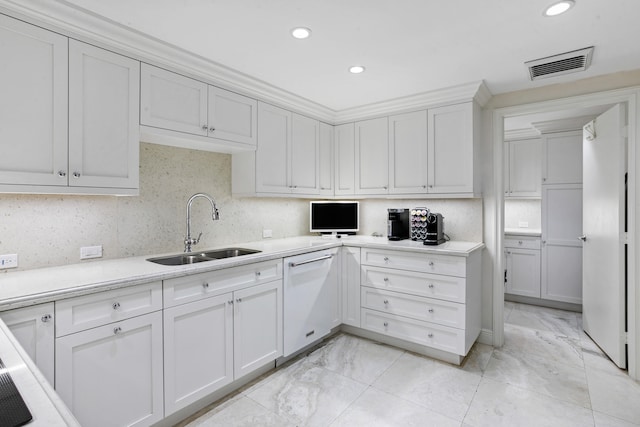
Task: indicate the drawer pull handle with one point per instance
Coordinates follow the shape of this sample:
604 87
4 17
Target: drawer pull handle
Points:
116 305
322 258
386 324
386 279
46 318
431 310
117 330
430 285
205 285
386 302
430 263
430 335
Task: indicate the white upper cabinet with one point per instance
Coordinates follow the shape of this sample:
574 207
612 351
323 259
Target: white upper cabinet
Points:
103 118
171 101
345 159
325 160
451 149
372 150
33 105
523 171
184 112
232 117
408 153
562 158
70 111
287 157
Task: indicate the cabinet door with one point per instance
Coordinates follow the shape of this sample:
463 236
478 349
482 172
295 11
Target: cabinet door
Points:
104 90
112 375
272 156
350 265
408 153
257 327
561 248
562 158
33 104
304 161
525 168
345 159
523 272
171 101
325 158
33 327
198 350
450 148
232 117
372 161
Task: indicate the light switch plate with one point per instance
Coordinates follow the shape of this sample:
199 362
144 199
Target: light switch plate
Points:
523 224
267 233
87 252
8 261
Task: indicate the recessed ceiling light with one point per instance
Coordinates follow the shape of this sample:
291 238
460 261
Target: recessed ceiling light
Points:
301 32
559 8
356 69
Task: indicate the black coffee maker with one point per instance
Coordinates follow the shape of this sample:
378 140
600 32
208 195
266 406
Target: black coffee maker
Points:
435 229
398 224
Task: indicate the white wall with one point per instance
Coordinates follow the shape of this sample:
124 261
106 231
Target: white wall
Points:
523 210
49 230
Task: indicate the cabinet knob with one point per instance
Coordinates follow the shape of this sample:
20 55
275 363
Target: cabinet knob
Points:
205 285
116 305
384 188
519 242
386 259
386 302
62 174
430 310
76 174
205 127
46 318
230 302
430 263
424 186
386 324
238 299
258 274
386 279
212 129
430 335
431 186
117 330
430 285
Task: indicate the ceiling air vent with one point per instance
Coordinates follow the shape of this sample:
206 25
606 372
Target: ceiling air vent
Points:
557 65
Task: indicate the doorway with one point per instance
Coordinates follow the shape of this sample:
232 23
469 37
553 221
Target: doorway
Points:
570 108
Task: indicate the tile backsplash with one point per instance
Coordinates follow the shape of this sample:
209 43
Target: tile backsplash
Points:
48 230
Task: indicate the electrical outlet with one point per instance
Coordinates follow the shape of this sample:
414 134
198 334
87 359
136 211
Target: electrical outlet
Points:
266 234
8 261
523 224
87 252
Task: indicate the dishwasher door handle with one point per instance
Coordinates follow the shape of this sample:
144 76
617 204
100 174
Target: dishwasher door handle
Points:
309 261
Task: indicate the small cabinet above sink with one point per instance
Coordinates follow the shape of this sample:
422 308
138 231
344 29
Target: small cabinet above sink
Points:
192 258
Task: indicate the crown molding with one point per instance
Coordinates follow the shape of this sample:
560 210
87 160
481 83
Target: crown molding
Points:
526 133
79 23
563 125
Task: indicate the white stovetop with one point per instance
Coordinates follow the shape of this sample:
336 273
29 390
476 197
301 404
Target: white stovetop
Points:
28 287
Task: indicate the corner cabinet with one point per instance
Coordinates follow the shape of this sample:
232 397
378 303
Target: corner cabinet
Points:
71 112
325 160
286 161
345 160
184 112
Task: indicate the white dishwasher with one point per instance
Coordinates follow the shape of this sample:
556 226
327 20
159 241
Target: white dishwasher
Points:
310 283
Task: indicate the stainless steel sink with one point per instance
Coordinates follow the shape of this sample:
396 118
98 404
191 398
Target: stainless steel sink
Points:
192 258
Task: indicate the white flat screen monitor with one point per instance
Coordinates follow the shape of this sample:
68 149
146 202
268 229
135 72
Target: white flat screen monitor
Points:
334 217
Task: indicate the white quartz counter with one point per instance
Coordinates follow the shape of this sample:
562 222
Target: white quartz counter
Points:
45 405
21 288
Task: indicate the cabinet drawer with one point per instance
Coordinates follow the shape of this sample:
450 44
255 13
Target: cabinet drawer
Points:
197 286
416 331
420 308
517 242
89 311
447 288
429 263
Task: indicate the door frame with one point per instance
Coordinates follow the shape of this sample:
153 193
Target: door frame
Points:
630 96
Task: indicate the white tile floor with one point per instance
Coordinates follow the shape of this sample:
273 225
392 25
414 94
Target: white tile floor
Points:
548 373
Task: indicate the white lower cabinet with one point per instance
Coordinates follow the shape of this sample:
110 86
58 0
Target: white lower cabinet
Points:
112 375
522 255
33 327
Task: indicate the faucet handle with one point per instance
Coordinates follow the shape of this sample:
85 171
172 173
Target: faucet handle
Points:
198 239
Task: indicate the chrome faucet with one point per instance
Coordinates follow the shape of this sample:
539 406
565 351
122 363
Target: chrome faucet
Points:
189 241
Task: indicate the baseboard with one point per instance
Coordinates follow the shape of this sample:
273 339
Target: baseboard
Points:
485 337
560 305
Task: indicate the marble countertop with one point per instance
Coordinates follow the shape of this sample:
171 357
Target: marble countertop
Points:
45 405
22 288
523 232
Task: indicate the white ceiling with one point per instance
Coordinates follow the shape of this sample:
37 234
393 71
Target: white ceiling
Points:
407 46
